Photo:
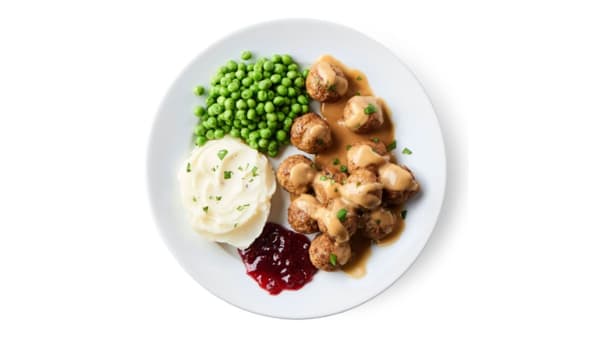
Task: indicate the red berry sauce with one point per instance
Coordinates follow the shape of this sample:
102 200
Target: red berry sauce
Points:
278 259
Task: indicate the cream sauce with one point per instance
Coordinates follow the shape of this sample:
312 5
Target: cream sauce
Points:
355 115
301 174
396 178
363 156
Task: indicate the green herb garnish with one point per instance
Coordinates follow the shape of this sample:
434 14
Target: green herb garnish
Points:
323 178
194 199
341 214
227 174
188 167
333 259
391 146
336 161
358 78
218 197
221 154
370 109
348 147
254 171
406 151
242 207
357 93
331 87
375 139
344 168
205 209
403 214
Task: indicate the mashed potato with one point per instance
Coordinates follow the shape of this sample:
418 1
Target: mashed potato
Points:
226 188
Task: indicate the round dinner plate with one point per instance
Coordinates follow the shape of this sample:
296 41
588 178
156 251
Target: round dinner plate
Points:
217 267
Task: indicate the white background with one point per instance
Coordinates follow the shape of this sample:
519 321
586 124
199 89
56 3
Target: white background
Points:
516 86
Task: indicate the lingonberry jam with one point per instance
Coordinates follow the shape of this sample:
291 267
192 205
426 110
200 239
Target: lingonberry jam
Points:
278 259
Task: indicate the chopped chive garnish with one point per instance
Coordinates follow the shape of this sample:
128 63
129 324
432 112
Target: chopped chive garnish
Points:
375 139
357 93
221 154
188 167
254 171
344 169
348 147
403 214
242 207
358 78
323 178
194 199
205 209
333 259
227 174
240 168
406 151
358 184
218 197
370 109
336 161
331 87
341 214
391 146
378 221
235 225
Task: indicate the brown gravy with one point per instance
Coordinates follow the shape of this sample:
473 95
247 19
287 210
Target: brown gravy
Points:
333 112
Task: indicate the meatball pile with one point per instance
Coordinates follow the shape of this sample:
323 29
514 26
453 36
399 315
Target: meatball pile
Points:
359 200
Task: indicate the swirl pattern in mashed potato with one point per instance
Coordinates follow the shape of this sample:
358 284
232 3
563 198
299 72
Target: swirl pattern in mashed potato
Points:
226 188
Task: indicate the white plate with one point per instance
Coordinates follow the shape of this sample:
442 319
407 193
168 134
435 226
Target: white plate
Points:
220 270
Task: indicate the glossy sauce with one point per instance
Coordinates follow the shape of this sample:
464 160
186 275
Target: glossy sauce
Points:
333 113
278 259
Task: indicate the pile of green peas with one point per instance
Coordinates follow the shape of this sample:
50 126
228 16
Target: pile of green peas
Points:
256 102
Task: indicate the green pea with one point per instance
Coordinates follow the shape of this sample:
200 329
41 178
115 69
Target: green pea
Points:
249 67
201 140
293 67
271 116
228 114
299 82
240 74
257 76
246 55
264 84
286 59
199 111
269 107
275 78
279 69
285 109
231 65
281 90
219 134
266 74
286 82
258 66
296 108
240 114
268 66
278 100
234 132
270 94
210 134
221 100
265 133
305 73
241 104
281 135
247 81
252 126
253 144
292 115
280 116
287 123
304 108
272 153
225 80
292 74
276 58
251 114
244 122
233 86
215 79
199 130
260 108
244 132
229 103
254 88
237 123
272 124
254 135
262 125
235 95
302 99
251 103
261 95
291 92
246 94
199 90
263 143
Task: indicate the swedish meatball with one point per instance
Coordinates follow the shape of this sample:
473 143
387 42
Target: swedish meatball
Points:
310 133
295 174
300 220
327 255
326 82
399 183
360 156
326 184
378 223
347 215
363 114
362 189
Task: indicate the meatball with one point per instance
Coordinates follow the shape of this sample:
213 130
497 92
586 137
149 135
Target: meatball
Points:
327 255
362 189
377 147
363 114
295 174
378 223
310 133
326 82
326 184
392 197
346 214
300 220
